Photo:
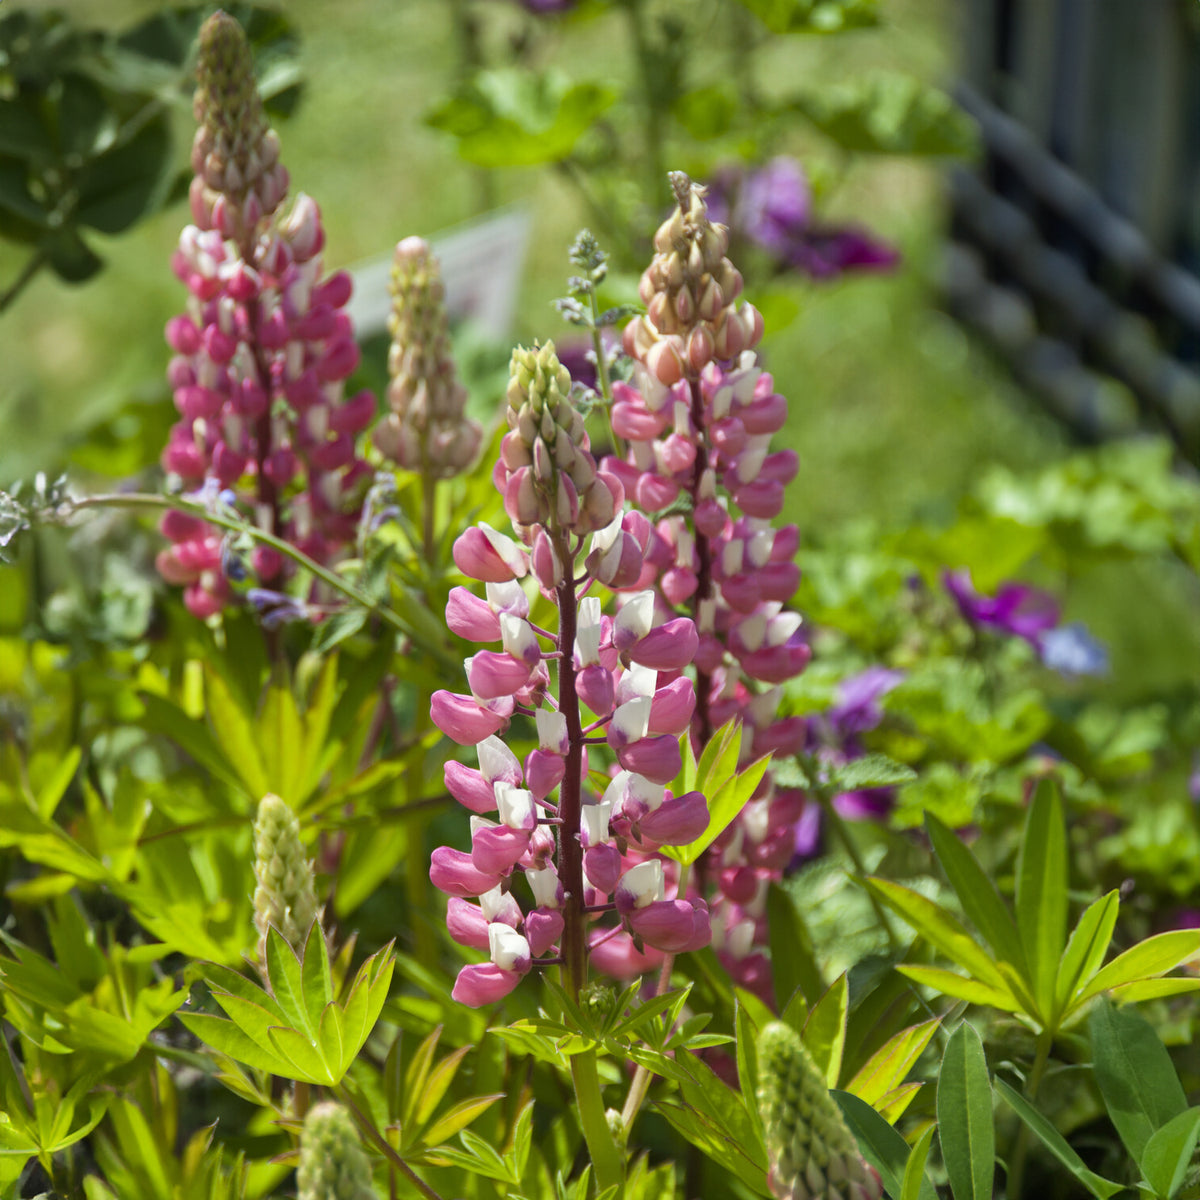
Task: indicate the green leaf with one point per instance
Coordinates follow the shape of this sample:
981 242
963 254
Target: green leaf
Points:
1134 1072
889 113
716 1142
316 980
71 258
1168 1154
1155 956
724 802
813 16
1055 1142
236 734
888 1067
438 1082
825 1030
128 181
1042 891
948 983
1154 989
518 118
287 983
914 1169
227 1038
459 1117
870 771
881 1145
941 929
977 894
706 112
793 961
1086 948
964 1111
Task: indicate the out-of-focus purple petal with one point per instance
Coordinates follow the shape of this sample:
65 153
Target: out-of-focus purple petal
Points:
1016 608
858 708
824 252
775 205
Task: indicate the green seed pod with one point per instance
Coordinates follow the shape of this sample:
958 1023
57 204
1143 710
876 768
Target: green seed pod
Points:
286 895
333 1165
812 1154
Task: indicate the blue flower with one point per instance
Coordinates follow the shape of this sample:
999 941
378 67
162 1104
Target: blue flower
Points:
1072 650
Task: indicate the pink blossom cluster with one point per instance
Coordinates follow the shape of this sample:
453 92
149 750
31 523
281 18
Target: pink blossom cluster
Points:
697 440
263 351
618 704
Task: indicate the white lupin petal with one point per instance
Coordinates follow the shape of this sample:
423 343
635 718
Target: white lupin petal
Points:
517 636
632 719
765 705
732 854
544 884
683 419
756 906
722 401
636 615
644 882
706 615
649 793
685 546
708 485
507 946
507 597
756 820
782 627
496 759
731 557
617 788
492 902
603 539
595 818
749 463
552 730
478 823
514 805
758 550
639 681
512 554
587 633
752 630
643 455
739 940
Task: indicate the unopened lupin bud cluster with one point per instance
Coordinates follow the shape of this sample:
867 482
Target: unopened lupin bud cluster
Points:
235 153
333 1165
285 896
546 471
690 290
426 430
811 1152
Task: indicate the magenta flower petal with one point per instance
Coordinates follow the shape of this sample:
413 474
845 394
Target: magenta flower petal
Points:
483 983
453 872
462 719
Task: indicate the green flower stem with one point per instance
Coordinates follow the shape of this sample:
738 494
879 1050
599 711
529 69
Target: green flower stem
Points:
235 525
602 376
606 1156
1016 1174
365 1123
842 832
641 1077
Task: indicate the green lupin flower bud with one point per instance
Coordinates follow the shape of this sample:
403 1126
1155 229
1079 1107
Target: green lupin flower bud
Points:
550 474
235 155
812 1153
333 1165
286 896
690 291
427 430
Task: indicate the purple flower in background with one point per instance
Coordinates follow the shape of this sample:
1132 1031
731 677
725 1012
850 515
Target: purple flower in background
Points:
772 207
547 6
858 708
1016 608
1072 650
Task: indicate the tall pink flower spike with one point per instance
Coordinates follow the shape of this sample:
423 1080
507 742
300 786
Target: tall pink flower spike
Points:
555 871
264 348
697 418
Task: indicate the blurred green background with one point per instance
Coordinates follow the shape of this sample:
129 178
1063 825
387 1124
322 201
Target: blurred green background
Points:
894 411
891 406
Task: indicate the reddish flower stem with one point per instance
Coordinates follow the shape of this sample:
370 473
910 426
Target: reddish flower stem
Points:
702 723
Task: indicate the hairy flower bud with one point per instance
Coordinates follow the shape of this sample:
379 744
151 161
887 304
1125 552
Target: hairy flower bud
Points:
333 1164
811 1152
235 154
286 896
427 430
